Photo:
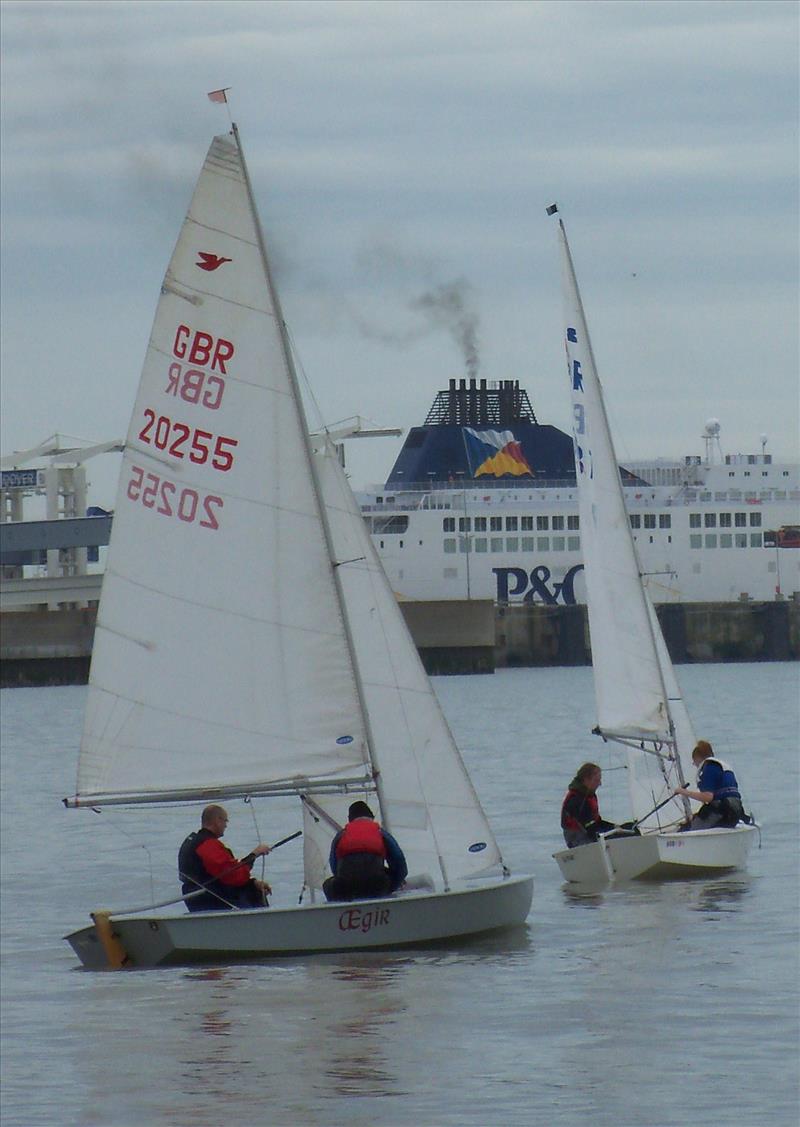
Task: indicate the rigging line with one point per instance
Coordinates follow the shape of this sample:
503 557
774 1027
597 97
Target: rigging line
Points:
306 381
249 802
137 844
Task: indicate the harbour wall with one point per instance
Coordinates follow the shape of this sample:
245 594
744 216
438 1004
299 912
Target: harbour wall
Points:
41 647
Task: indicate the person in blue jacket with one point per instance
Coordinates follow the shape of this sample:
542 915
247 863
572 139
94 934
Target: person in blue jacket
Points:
717 789
365 859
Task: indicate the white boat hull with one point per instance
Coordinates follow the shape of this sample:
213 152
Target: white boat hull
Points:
396 921
657 856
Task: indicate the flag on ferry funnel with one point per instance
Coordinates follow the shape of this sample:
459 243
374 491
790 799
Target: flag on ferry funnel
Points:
495 453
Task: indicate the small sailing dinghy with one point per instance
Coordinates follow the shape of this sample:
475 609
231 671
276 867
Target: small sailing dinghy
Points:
247 641
639 704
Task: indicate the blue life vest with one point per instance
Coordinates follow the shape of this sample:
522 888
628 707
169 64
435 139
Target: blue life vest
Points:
727 786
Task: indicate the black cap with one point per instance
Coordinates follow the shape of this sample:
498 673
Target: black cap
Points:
359 810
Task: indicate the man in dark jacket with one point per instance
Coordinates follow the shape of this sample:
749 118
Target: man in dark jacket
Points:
365 859
204 862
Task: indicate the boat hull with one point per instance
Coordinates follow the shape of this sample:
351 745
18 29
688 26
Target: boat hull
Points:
396 921
657 856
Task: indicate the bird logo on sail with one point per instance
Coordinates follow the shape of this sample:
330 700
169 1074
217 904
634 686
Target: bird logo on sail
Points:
210 261
495 453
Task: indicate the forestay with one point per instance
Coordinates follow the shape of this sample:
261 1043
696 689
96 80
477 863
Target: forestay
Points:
221 663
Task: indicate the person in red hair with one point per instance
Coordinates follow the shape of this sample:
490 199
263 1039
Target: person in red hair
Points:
717 789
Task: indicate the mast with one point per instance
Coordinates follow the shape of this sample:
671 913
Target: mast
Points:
321 510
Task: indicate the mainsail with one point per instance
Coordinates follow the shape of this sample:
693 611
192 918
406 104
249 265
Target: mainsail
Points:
636 693
220 656
247 640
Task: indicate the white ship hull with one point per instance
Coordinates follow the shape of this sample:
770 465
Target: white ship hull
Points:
398 921
702 534
657 856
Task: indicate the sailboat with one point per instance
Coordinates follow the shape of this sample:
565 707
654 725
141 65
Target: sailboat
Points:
638 701
247 641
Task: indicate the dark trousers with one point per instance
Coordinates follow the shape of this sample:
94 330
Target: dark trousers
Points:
359 876
248 896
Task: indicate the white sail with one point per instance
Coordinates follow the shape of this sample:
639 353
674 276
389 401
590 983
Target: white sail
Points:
426 797
221 663
637 695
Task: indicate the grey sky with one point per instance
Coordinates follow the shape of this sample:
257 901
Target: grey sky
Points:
403 150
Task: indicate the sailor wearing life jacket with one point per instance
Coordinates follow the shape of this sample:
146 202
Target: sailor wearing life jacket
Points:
205 862
365 859
580 814
717 789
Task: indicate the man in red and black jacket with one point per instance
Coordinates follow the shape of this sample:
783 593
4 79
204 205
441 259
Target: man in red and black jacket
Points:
365 859
204 862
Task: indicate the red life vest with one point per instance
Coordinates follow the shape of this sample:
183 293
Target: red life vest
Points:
361 836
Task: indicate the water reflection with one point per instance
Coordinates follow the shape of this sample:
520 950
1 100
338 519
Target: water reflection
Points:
722 895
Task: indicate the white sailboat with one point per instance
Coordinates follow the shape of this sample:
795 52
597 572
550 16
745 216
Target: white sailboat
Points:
247 641
638 700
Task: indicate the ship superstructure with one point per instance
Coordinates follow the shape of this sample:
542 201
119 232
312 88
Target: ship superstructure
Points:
481 504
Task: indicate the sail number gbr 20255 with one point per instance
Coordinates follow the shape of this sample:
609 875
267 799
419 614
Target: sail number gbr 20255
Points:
166 498
181 441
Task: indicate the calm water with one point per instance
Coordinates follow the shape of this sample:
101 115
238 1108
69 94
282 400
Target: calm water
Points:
642 1006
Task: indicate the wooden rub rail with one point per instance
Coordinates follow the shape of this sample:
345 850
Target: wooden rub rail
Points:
41 647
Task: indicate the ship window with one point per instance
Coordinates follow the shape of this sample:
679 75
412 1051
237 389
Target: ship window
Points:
480 543
731 473
449 524
785 473
740 519
695 541
393 524
711 520
558 524
694 520
664 520
450 573
772 566
755 520
542 524
705 496
526 524
512 544
511 524
636 520
746 473
379 500
558 543
711 540
401 543
464 524
755 539
496 544
464 544
573 543
449 546
573 523
725 520
495 524
765 473
741 539
725 540
480 524
543 543
527 543
382 544
649 520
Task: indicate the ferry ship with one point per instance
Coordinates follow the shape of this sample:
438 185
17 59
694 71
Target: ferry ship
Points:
482 504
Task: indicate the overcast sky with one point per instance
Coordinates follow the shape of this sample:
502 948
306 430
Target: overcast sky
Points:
401 152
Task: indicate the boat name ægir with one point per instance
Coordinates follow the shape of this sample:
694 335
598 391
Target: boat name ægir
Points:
356 920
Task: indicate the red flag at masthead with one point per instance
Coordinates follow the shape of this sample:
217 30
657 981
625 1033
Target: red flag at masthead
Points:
218 95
